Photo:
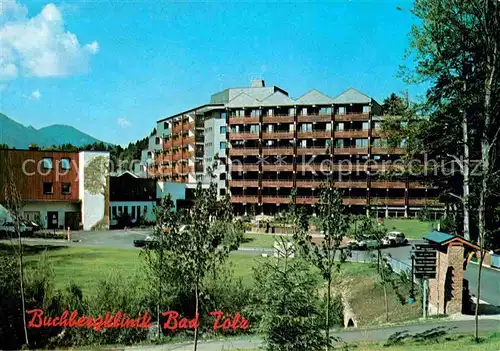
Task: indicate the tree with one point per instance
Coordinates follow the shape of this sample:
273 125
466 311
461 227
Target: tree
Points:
14 206
286 291
334 224
204 243
394 105
455 48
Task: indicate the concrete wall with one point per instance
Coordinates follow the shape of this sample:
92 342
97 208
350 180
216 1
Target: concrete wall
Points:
94 189
213 140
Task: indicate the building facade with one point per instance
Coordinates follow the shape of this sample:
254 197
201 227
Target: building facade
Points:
58 189
268 144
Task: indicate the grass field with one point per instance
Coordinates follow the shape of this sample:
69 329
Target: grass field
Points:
86 266
489 342
412 228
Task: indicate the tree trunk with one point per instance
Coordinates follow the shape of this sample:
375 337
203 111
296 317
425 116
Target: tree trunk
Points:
386 304
196 293
476 312
466 174
328 302
21 280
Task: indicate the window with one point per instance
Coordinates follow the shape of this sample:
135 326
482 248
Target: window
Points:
157 140
133 212
145 210
376 125
255 129
361 142
47 162
113 212
291 112
222 145
65 163
366 109
48 188
222 192
303 112
66 188
325 111
223 115
120 210
270 112
364 126
342 110
125 210
138 211
223 129
166 125
340 126
222 176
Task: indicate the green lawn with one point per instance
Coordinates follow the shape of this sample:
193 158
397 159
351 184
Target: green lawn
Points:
462 342
411 227
258 240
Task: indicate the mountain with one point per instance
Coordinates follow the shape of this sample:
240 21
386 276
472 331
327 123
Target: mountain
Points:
16 135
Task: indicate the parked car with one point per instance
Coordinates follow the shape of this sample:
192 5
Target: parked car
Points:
24 227
394 239
363 243
144 242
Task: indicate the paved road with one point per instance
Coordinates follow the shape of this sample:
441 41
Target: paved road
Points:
123 239
379 334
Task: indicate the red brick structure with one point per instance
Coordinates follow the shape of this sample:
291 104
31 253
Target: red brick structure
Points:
446 291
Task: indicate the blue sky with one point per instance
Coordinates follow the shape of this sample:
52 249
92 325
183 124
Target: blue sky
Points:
112 69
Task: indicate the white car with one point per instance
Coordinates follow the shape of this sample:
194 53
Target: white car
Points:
394 239
363 243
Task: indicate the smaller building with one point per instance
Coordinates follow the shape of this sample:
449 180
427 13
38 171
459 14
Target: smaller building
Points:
132 200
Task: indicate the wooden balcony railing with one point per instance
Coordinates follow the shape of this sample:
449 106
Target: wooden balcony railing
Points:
354 200
243 136
269 199
244 151
249 199
351 184
243 120
187 154
307 200
177 142
352 117
312 150
277 135
278 119
388 184
176 156
188 140
352 133
240 168
277 168
188 126
421 185
351 150
277 183
400 201
314 118
277 150
308 183
252 183
388 150
423 202
177 128
168 144
378 133
318 134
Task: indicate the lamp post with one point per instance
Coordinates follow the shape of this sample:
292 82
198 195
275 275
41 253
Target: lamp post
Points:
412 292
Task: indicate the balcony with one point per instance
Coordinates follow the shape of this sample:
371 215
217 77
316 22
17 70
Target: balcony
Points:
243 120
388 184
357 116
277 168
351 184
354 200
185 169
388 150
312 151
421 185
277 150
316 167
423 202
187 155
243 136
277 183
188 126
244 168
278 119
177 142
308 183
277 135
314 134
251 183
351 133
400 201
177 128
378 133
168 144
314 118
244 151
276 199
245 199
351 150
176 156
188 140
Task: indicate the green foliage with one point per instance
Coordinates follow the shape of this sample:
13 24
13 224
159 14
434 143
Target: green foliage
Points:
287 305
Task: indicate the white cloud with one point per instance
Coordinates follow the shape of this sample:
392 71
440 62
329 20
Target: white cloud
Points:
123 122
39 46
35 95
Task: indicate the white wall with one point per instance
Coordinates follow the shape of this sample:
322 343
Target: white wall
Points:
93 204
129 204
213 139
51 206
